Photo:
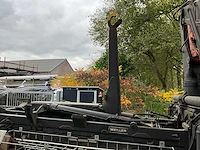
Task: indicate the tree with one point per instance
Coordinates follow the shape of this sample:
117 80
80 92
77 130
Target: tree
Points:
148 42
135 95
124 61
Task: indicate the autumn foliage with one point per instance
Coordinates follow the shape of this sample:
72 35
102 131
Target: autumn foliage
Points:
138 93
81 77
168 96
135 95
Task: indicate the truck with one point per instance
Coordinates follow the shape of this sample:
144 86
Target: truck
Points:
54 125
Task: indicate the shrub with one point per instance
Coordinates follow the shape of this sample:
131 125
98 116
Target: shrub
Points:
135 95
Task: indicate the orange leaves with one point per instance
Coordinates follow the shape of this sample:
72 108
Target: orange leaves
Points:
168 96
81 77
140 95
67 80
125 102
93 77
134 94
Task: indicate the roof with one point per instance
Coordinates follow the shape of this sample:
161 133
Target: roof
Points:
82 87
42 65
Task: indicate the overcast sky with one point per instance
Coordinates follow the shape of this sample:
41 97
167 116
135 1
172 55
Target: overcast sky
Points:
42 29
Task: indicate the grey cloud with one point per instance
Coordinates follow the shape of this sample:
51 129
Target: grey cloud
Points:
46 28
6 8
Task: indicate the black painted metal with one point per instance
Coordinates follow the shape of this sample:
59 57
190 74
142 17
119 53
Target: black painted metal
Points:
108 122
113 104
190 16
141 134
198 138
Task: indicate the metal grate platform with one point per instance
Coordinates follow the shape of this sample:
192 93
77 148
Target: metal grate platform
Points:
33 140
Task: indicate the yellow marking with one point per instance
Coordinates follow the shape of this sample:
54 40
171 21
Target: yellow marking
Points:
111 15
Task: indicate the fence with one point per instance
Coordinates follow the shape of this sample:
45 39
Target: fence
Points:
16 97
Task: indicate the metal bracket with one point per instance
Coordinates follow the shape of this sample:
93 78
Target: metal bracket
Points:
32 114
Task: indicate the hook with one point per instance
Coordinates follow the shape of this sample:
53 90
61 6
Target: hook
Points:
116 23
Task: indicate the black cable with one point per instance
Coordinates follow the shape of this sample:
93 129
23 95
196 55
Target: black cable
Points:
181 6
184 44
153 114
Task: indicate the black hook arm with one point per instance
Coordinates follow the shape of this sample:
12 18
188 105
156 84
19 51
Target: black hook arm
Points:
116 23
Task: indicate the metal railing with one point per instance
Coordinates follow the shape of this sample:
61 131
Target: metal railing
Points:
42 141
15 98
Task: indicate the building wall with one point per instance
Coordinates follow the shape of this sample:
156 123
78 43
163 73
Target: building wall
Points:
62 69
